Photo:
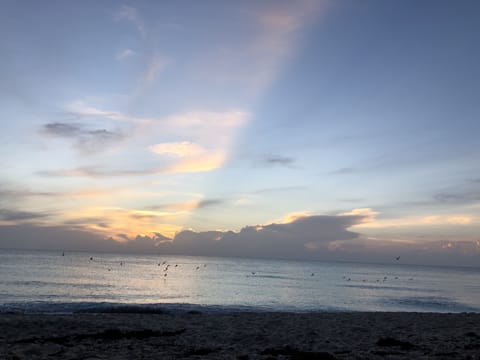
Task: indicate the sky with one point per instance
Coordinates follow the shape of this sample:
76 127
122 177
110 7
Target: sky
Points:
317 130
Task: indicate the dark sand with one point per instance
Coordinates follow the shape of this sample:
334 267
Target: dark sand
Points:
241 336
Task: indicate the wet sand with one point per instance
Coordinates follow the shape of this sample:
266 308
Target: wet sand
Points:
245 335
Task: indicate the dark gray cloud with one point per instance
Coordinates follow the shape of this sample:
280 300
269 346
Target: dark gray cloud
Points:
10 192
53 238
4 193
63 129
86 140
303 238
80 223
459 197
210 203
273 160
17 215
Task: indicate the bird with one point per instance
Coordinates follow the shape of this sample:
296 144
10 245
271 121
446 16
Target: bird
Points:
397 258
121 263
63 253
312 274
91 257
198 267
253 272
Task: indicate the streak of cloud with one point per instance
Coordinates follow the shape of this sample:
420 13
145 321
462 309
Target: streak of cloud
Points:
273 160
125 53
131 15
18 215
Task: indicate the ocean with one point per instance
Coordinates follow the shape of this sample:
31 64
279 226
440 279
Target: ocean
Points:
49 282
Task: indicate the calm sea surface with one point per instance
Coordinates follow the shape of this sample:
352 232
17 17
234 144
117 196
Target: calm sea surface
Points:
50 282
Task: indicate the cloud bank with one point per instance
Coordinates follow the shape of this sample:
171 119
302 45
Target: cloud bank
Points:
302 237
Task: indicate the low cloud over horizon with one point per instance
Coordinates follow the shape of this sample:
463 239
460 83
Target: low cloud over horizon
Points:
314 237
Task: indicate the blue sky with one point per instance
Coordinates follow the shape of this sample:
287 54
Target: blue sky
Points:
146 123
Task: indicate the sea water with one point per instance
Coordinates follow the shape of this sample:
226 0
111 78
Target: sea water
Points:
39 281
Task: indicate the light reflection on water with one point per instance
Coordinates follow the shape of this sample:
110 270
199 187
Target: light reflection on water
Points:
269 284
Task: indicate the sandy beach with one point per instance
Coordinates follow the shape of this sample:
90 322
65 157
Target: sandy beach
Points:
191 335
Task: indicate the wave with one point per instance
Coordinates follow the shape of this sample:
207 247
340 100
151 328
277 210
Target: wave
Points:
430 304
47 307
386 287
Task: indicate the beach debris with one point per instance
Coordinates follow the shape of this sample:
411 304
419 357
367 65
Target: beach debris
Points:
298 354
389 341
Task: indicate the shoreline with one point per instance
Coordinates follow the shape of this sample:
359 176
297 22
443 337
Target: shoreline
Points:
241 335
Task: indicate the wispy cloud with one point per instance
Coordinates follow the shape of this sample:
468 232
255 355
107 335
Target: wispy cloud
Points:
180 149
12 194
345 171
125 53
98 172
156 65
187 205
420 221
192 157
80 109
131 15
281 189
253 63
